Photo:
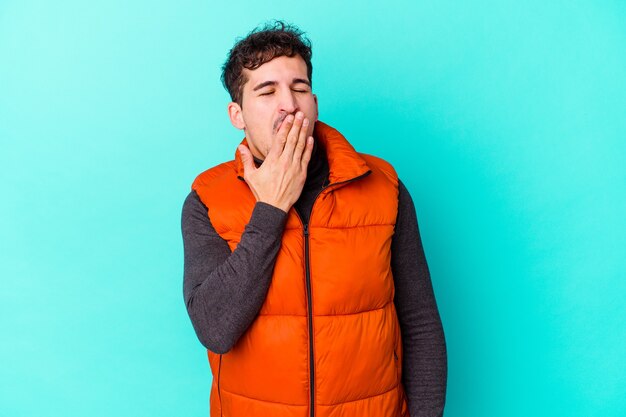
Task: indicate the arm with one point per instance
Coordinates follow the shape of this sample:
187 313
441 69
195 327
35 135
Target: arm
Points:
424 367
224 291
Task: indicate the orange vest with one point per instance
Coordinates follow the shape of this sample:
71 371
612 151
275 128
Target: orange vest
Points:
326 341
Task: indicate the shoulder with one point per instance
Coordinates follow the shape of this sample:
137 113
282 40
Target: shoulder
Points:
404 195
403 191
377 163
194 210
192 201
213 173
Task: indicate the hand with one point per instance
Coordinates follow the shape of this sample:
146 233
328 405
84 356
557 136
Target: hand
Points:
280 178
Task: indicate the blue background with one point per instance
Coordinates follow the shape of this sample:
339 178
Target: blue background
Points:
505 120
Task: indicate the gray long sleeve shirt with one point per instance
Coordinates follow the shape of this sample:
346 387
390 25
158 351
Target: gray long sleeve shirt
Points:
224 290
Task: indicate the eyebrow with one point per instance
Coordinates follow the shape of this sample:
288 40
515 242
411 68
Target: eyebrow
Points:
294 81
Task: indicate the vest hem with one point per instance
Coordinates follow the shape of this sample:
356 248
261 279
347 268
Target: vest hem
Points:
395 387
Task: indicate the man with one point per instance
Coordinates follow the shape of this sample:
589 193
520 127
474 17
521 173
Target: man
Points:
304 274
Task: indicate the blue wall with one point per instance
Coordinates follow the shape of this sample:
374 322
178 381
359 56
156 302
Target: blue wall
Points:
505 119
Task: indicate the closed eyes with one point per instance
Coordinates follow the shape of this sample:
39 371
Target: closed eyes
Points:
271 92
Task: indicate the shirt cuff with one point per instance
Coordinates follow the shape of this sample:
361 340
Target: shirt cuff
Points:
268 218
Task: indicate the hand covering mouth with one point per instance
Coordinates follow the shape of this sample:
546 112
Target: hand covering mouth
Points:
278 122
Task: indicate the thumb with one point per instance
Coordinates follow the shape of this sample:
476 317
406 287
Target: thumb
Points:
246 158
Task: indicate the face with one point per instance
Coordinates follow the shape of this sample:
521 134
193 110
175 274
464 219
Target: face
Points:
274 90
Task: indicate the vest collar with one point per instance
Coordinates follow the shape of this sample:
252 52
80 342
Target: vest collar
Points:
344 163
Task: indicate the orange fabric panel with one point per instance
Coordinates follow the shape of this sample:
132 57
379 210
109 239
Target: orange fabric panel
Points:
356 341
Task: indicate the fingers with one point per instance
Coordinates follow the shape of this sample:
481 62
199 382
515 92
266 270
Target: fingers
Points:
306 155
246 158
301 143
280 138
300 124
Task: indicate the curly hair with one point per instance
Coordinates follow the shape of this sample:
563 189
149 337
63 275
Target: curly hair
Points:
259 46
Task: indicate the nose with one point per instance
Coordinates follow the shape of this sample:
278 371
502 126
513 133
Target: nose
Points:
288 103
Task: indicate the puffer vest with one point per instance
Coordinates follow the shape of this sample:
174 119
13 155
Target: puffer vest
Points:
326 342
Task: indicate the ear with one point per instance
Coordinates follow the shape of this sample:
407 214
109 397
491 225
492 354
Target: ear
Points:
235 115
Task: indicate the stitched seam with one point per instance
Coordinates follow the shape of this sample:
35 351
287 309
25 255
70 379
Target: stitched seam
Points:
330 315
352 314
320 227
360 399
267 401
345 227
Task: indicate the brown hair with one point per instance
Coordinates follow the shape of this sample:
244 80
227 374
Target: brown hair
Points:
259 46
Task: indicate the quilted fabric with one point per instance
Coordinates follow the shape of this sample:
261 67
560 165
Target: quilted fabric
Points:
326 342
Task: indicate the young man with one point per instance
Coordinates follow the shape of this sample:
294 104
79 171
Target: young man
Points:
304 274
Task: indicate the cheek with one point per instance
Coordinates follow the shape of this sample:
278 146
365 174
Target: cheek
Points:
261 119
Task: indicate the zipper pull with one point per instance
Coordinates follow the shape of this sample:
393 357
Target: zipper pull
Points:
306 229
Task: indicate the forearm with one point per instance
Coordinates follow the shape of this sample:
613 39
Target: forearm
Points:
424 361
225 290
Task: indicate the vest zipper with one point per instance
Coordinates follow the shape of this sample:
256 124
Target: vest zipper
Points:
308 286
310 313
219 394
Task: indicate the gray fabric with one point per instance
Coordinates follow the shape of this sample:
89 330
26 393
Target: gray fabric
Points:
224 291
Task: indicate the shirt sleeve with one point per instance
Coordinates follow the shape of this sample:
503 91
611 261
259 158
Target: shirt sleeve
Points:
224 290
424 365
